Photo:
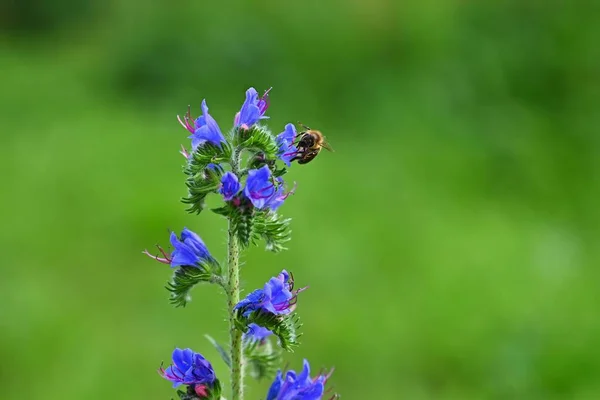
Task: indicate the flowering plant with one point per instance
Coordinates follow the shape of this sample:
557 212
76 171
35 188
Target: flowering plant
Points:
244 168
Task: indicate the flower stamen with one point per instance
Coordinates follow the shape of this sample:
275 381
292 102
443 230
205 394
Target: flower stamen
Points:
166 260
264 102
187 117
183 150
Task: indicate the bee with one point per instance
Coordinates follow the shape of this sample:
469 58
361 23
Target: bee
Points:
309 145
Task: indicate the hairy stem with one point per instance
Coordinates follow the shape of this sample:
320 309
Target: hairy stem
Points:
233 297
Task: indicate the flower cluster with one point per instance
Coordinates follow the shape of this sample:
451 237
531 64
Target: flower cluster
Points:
192 369
276 297
189 250
285 141
261 189
298 386
252 189
203 129
253 109
189 368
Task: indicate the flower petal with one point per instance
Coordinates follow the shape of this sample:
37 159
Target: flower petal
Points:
249 113
182 253
207 129
275 387
230 186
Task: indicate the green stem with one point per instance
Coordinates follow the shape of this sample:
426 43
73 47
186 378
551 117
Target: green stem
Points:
233 297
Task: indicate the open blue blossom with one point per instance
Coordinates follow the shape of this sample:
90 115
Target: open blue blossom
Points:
230 186
276 297
203 129
275 201
253 109
256 333
285 141
259 186
297 386
263 190
189 368
189 250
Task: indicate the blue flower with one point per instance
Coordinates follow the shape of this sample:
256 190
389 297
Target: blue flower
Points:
280 195
230 186
285 141
189 368
256 333
263 190
276 297
297 386
253 109
204 129
259 186
190 250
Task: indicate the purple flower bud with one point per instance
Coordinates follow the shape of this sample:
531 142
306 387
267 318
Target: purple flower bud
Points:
190 250
276 297
253 109
298 386
230 186
285 140
189 368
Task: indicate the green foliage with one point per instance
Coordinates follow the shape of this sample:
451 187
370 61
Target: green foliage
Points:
285 327
258 139
206 154
485 140
186 277
259 159
242 222
262 359
272 228
278 171
222 352
201 179
251 225
241 219
213 393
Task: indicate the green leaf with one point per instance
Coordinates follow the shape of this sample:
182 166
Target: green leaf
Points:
251 225
283 326
205 154
202 180
277 172
199 186
243 224
273 229
257 139
222 352
241 219
262 360
186 277
225 211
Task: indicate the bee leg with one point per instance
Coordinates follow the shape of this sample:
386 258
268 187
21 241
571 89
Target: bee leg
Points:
303 126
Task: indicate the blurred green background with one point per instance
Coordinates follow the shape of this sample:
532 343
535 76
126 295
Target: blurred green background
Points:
450 242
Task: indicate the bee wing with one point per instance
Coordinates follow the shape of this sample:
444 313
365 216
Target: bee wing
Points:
327 146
